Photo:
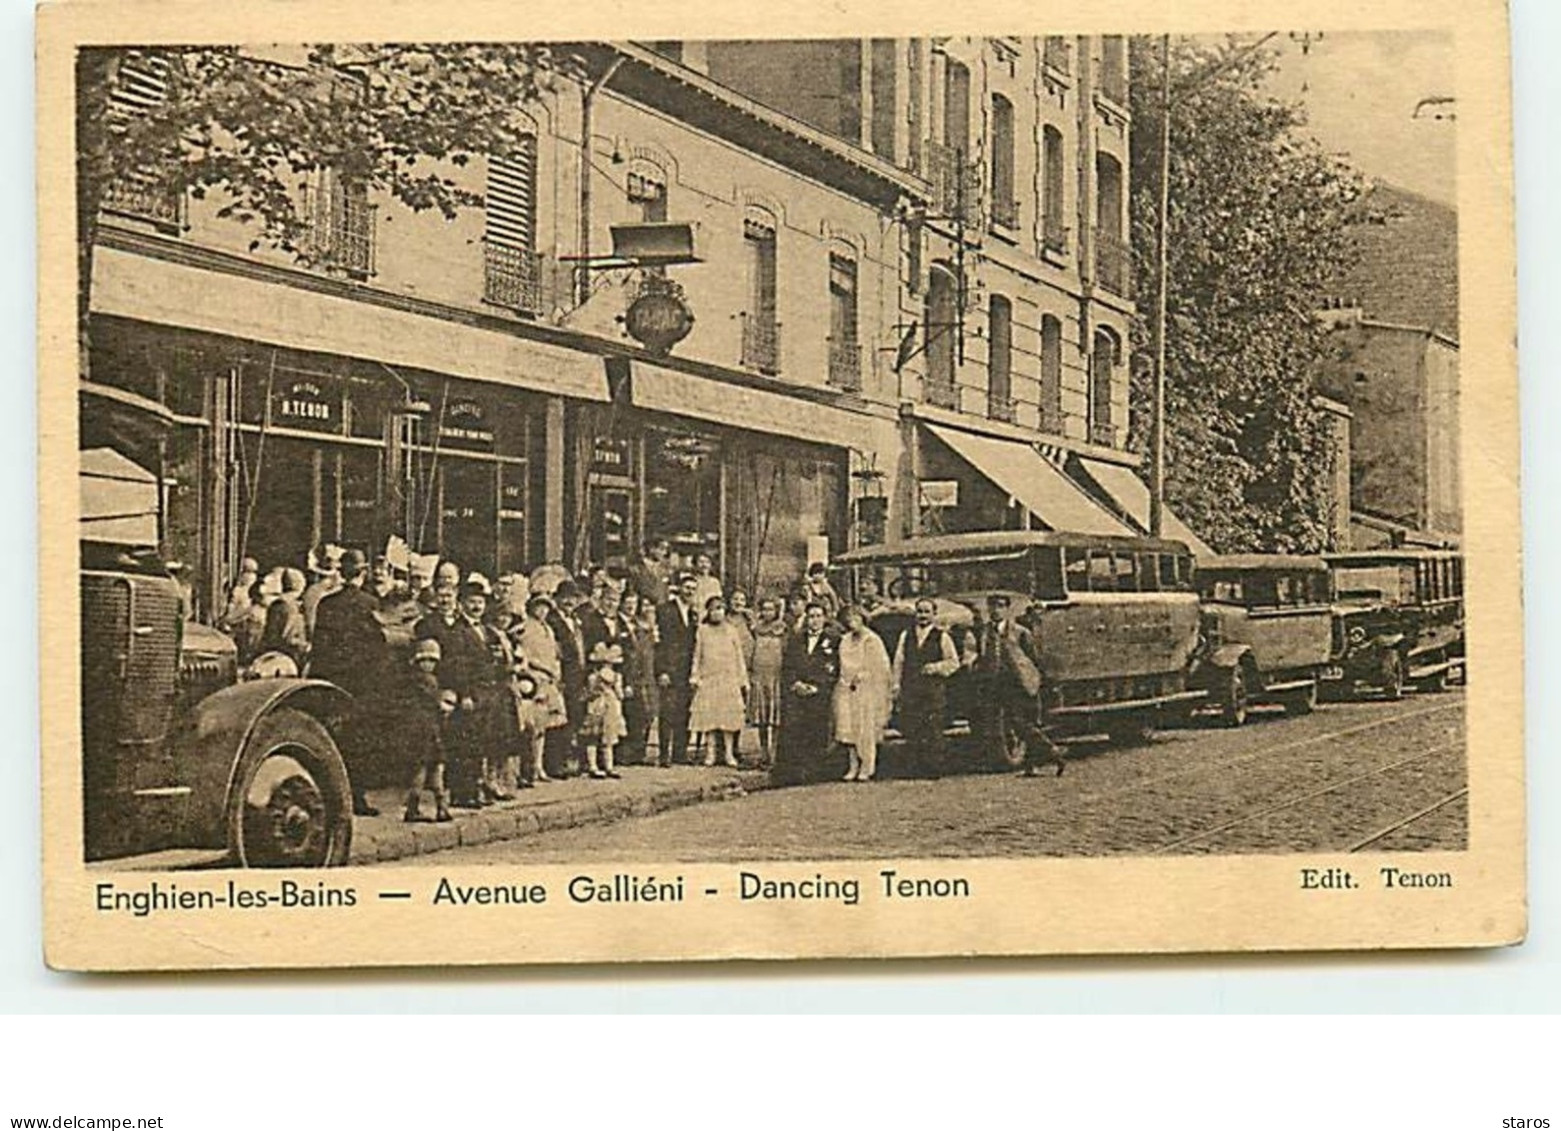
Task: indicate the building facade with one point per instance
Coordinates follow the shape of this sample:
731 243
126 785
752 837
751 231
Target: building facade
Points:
910 292
1394 364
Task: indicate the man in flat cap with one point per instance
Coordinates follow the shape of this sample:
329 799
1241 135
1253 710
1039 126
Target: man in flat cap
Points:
348 648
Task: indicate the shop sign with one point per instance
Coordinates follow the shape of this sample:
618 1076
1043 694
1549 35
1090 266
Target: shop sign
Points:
939 493
309 404
512 502
658 320
465 425
611 455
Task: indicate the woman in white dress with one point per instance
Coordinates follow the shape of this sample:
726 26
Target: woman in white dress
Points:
862 696
720 684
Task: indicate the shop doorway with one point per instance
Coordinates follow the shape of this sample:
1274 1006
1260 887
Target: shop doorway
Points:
296 493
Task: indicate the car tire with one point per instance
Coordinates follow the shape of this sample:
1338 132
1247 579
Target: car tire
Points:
1234 700
1393 675
1135 730
1302 702
291 803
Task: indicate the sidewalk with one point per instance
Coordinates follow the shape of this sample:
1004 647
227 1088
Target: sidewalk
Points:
642 791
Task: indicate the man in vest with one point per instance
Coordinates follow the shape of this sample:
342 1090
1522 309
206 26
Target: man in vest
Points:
924 659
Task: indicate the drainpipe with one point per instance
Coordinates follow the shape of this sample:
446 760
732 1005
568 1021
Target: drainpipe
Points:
587 99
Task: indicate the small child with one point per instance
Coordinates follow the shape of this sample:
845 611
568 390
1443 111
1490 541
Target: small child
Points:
531 717
603 726
424 709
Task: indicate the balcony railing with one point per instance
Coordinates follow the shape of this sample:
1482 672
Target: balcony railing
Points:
940 391
845 364
1114 264
956 185
512 278
1054 236
1005 213
1103 432
761 344
1000 406
342 229
144 198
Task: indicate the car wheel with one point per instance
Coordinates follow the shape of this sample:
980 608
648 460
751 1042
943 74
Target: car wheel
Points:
1012 746
1233 703
1302 702
291 805
1131 731
1393 674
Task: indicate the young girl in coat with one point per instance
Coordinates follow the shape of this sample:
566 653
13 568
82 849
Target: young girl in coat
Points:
603 726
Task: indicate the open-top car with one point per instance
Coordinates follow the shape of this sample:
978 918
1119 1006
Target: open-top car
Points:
1267 629
1397 621
1115 618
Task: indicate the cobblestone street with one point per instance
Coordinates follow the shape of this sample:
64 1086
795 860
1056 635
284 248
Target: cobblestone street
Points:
1375 776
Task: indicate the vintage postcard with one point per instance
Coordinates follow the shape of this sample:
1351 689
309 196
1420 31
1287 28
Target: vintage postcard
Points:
561 487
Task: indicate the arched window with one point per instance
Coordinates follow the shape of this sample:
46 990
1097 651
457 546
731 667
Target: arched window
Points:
512 274
761 329
939 330
1005 208
1051 374
1113 265
1054 234
1000 377
1104 358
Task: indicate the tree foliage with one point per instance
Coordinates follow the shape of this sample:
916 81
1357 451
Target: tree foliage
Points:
1256 230
248 128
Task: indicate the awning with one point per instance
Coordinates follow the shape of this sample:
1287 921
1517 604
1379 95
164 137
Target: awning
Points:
195 298
1030 480
119 500
1132 496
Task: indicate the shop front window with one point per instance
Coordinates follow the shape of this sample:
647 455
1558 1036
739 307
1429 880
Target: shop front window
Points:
683 491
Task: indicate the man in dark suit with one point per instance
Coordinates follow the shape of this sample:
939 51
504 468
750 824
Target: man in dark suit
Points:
810 667
467 668
677 623
924 659
1007 669
600 622
349 649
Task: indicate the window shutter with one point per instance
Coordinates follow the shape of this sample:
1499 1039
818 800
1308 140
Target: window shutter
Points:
512 198
140 86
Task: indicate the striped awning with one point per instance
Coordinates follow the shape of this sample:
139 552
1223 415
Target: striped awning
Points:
1020 471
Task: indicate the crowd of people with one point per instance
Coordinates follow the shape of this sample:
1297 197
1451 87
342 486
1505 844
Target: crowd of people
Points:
470 690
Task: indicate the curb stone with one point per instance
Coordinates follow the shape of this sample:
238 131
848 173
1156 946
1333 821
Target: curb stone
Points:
516 822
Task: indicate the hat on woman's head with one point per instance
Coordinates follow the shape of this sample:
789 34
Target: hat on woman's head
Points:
425 650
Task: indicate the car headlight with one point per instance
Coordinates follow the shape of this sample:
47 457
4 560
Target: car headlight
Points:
1357 634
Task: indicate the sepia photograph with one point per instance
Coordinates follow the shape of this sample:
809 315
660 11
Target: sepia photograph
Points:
616 472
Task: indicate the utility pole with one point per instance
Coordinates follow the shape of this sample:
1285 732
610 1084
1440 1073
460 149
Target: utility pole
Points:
1162 273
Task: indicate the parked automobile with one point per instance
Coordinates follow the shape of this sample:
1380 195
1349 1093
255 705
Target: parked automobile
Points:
1267 631
1115 618
177 752
1397 621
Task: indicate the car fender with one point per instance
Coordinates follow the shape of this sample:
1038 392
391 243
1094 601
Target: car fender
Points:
1227 656
213 736
1385 641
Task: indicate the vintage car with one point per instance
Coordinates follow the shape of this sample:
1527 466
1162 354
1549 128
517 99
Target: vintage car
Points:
1267 632
1115 619
177 751
1397 621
